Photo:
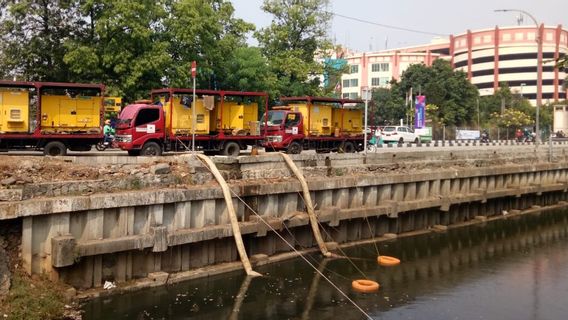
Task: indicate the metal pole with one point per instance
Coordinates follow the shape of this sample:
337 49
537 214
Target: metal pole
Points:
193 121
478 127
538 69
193 104
550 147
366 96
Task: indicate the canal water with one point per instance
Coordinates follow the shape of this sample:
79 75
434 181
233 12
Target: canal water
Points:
515 268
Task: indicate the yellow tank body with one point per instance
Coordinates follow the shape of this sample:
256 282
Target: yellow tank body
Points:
61 113
351 122
14 111
181 122
112 104
236 116
320 118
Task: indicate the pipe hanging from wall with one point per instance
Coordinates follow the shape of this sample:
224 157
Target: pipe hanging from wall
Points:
232 214
309 204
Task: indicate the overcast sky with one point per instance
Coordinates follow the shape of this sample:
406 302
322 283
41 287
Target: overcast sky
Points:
435 16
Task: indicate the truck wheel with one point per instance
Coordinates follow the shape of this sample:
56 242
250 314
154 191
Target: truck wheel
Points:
151 149
416 140
349 147
400 141
134 153
55 148
231 149
294 148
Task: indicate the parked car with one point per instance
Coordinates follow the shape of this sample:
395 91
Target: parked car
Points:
399 134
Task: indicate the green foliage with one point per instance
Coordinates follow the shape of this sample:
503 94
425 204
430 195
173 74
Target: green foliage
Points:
511 118
562 63
33 300
248 71
504 100
118 45
131 46
296 35
452 98
134 46
31 34
450 90
389 106
207 32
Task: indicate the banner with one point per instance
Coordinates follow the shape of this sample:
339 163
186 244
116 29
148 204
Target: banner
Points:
420 112
467 134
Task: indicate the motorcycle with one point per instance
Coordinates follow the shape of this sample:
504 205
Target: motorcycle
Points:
484 137
103 145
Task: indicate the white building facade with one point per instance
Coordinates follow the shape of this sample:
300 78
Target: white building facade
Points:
489 57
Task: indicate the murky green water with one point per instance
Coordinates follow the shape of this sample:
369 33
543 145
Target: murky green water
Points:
510 269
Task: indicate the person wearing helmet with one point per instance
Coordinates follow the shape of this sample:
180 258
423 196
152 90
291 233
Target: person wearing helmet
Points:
108 131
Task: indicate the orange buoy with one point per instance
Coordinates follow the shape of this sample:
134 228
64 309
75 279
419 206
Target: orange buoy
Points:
387 261
365 286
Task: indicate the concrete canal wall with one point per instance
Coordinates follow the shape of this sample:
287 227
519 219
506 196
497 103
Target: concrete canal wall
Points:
169 235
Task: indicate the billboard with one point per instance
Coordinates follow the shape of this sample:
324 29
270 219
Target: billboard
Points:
420 112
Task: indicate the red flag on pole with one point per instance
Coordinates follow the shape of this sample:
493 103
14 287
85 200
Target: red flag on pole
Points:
193 69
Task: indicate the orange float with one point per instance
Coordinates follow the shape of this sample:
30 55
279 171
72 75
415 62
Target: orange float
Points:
387 261
365 286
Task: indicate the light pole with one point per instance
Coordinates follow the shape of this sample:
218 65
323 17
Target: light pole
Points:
538 67
366 97
478 126
522 86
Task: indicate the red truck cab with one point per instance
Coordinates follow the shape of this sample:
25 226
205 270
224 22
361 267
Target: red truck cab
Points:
321 124
284 128
140 129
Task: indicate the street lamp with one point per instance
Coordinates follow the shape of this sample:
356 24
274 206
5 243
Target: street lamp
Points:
366 97
538 67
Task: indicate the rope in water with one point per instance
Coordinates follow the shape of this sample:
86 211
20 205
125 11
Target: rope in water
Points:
296 251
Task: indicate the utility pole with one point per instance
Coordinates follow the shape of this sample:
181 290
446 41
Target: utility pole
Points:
366 97
538 68
193 121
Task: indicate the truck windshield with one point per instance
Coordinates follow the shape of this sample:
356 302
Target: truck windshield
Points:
125 117
275 118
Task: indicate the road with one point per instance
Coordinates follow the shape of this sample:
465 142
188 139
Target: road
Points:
448 146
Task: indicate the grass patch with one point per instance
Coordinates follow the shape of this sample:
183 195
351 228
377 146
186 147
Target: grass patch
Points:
33 299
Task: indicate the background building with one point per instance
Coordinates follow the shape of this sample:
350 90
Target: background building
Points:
489 57
377 69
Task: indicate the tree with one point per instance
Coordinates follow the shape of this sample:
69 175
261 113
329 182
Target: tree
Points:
291 43
449 90
32 33
512 118
120 45
390 107
248 71
205 31
562 63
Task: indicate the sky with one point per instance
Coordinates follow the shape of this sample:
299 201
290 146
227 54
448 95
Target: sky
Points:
436 16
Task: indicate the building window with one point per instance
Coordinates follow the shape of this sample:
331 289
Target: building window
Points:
353 95
354 83
380 67
346 95
381 81
354 68
346 83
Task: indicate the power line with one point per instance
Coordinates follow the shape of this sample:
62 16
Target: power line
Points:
386 25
